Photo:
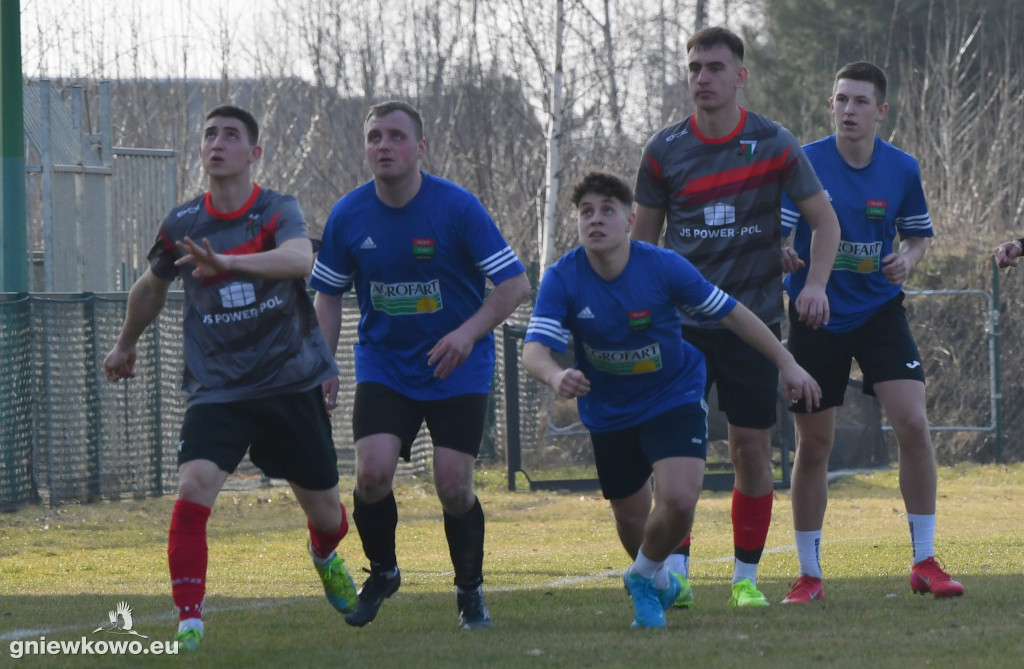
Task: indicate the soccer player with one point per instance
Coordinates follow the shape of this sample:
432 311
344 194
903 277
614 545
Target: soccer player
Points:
718 177
254 359
418 250
639 385
876 191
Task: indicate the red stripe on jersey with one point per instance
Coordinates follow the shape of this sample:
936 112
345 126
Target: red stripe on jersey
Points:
263 241
730 182
233 214
654 169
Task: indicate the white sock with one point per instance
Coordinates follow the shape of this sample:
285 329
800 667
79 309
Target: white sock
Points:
922 535
679 564
319 561
190 623
744 570
808 551
661 578
646 567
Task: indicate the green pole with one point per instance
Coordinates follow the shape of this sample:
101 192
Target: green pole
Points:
997 384
13 236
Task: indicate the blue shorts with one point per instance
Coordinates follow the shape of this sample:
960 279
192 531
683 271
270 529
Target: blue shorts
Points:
455 422
883 346
747 382
287 436
624 457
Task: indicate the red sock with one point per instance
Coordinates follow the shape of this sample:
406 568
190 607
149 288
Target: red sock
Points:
685 543
751 517
324 543
187 557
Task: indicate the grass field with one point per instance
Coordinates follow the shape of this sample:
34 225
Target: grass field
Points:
553 572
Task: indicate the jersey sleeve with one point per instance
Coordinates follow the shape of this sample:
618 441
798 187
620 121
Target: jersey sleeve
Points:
913 220
695 296
488 248
801 182
547 323
333 270
164 253
790 216
650 190
290 222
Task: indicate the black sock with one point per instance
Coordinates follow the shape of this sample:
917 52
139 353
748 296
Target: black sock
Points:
466 545
376 524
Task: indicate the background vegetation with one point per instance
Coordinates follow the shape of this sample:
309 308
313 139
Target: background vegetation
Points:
481 70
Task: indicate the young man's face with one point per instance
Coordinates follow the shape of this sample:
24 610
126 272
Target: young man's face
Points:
392 150
604 222
856 110
225 150
715 77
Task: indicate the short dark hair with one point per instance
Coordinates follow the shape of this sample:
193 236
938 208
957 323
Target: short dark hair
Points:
384 108
605 184
709 37
252 128
864 71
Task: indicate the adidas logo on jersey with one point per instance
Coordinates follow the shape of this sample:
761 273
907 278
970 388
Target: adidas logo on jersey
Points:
586 313
368 244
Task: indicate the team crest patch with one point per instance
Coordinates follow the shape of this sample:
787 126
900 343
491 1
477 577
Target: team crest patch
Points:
747 147
874 210
253 226
423 249
639 320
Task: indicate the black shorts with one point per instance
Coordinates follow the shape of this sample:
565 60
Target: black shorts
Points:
883 346
747 382
624 457
287 436
455 422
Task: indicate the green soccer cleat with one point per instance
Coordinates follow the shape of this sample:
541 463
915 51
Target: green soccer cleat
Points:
745 594
339 587
189 638
685 598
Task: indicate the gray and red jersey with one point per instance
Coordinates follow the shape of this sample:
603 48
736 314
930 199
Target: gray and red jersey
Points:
245 336
722 198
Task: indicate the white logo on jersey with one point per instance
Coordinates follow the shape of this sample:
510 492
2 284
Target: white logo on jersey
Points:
237 295
368 244
676 134
719 214
913 365
586 313
190 210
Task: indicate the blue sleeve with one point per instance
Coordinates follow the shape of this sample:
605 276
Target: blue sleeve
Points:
488 248
547 323
696 296
333 270
913 220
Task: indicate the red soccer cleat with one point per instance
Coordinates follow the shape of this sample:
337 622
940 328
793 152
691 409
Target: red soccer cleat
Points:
928 576
807 589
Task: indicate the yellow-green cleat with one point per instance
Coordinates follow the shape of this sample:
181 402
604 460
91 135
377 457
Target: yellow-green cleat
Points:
189 638
685 598
338 584
745 594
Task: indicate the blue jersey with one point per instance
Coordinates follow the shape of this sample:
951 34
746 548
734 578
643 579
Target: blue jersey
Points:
419 273
873 204
627 332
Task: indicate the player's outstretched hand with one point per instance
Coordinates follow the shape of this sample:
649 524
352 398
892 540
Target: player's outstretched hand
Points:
450 352
570 383
1008 254
812 306
120 364
798 385
203 257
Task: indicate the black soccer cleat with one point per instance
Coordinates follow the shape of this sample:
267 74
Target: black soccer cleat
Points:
377 587
472 610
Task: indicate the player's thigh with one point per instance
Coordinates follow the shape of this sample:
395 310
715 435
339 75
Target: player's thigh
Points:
747 382
381 417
